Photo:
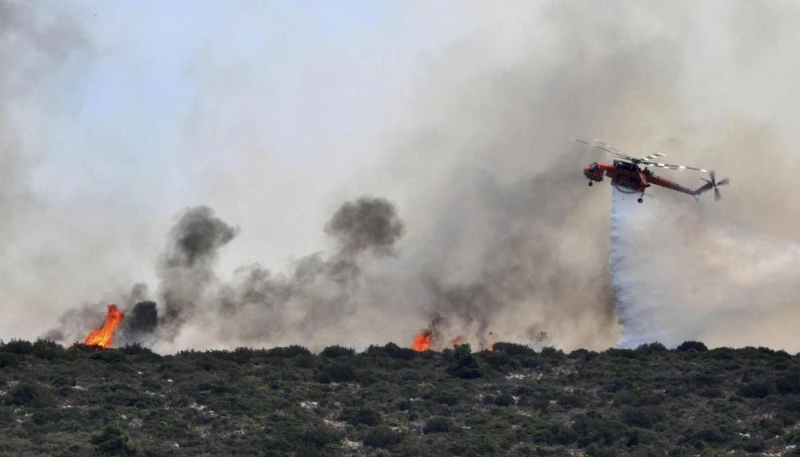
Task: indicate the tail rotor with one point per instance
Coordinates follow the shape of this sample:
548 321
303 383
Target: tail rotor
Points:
715 185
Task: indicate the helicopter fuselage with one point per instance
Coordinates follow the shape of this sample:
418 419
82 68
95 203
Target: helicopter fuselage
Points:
625 176
629 178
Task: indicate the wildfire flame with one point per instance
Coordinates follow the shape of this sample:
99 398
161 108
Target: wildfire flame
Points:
422 342
457 341
104 336
491 345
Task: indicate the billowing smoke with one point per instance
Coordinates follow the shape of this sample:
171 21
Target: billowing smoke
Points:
367 224
488 225
140 323
706 96
322 291
186 268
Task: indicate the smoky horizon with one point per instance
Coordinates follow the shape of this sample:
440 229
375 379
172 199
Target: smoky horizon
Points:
341 181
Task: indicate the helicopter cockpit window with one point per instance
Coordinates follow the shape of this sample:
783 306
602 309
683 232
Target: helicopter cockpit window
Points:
594 166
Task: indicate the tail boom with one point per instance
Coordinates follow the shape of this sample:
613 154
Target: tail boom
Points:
659 181
703 189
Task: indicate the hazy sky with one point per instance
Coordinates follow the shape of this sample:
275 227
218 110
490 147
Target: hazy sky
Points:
259 102
119 115
261 110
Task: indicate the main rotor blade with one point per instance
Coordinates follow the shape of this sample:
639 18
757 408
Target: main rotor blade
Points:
724 182
717 195
604 147
674 167
713 175
655 155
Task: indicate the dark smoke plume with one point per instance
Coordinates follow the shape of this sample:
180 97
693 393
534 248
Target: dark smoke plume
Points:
319 292
186 268
140 323
366 224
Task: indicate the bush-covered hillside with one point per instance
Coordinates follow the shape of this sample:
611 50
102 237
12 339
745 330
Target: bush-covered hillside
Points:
393 401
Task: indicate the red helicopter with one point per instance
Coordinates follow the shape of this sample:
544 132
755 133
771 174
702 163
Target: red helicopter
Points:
628 178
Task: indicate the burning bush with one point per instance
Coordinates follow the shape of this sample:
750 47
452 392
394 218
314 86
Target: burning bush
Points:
422 342
104 336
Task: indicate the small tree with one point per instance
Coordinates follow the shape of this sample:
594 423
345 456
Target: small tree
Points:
113 441
690 346
465 365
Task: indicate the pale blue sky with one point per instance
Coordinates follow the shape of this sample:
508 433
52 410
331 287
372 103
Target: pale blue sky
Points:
263 110
311 73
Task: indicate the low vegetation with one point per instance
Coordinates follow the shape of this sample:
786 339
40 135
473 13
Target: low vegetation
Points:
388 400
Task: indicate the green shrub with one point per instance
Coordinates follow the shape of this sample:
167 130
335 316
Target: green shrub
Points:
642 416
8 360
30 394
756 390
109 356
336 372
561 434
550 352
584 354
710 435
288 352
789 383
754 444
571 400
438 425
597 451
365 416
691 346
321 436
381 437
504 400
18 347
113 441
306 450
651 348
465 365
621 353
446 398
337 351
403 354
513 349
593 428
376 351
47 350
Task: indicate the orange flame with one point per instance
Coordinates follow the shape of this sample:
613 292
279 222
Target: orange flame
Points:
422 342
104 336
491 346
457 341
